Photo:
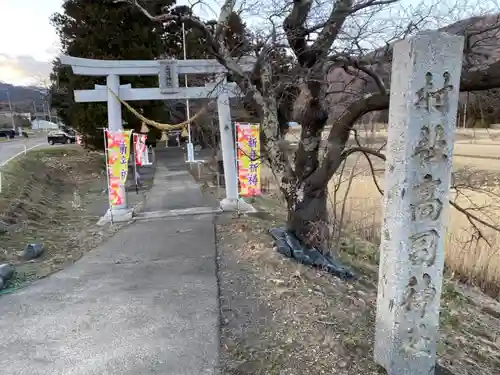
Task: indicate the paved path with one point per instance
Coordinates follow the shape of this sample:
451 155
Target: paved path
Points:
172 172
11 148
145 302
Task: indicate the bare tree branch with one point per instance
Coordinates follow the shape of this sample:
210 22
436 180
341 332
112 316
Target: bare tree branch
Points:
363 67
294 27
471 217
320 36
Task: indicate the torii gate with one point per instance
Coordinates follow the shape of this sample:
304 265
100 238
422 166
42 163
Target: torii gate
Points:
168 72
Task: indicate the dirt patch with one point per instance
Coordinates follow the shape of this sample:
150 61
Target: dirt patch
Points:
282 318
55 197
279 317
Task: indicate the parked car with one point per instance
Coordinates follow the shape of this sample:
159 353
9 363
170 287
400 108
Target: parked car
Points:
7 133
60 136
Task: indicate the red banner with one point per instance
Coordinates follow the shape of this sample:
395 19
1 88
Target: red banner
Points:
140 148
118 152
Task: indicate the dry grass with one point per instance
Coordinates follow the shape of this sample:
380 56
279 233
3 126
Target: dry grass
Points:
52 196
279 317
476 167
470 259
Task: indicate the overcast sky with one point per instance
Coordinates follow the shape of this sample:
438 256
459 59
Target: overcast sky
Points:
28 42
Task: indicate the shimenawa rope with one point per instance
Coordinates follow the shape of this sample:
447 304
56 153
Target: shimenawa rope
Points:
155 124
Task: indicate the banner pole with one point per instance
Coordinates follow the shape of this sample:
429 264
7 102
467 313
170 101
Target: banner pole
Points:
134 138
107 175
237 161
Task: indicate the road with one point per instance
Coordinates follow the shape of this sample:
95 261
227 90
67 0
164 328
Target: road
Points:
10 148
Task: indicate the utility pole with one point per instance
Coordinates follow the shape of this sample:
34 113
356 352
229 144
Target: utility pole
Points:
465 111
44 112
11 112
49 110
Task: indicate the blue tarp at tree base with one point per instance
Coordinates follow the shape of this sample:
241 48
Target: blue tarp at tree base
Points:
290 246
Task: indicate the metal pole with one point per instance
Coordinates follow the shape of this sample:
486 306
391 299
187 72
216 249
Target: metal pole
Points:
153 155
237 161
188 114
464 120
107 175
134 138
48 110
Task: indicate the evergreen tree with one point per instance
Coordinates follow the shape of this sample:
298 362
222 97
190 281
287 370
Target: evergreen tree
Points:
102 29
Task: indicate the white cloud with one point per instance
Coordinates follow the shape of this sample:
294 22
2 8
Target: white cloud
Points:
24 70
29 42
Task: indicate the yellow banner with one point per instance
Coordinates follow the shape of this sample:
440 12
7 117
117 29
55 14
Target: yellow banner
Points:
249 162
118 153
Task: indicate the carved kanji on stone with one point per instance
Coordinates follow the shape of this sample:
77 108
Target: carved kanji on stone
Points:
429 98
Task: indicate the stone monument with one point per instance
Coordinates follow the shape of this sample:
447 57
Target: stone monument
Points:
425 83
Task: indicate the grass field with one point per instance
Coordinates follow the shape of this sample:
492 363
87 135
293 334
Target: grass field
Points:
476 167
55 196
470 260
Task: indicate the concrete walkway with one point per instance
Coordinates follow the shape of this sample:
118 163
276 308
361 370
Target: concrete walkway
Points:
183 192
145 302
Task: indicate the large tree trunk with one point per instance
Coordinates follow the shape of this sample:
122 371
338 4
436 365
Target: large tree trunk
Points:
308 212
308 217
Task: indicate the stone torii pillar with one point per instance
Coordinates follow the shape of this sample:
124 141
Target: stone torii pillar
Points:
115 121
232 202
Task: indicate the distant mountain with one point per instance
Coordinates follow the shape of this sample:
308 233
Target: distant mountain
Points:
21 97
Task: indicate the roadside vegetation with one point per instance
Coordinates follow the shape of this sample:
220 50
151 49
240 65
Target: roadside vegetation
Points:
53 197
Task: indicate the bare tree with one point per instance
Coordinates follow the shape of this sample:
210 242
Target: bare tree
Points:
341 56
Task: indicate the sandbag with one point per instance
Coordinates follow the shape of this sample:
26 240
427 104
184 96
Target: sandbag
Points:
32 251
6 272
290 246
